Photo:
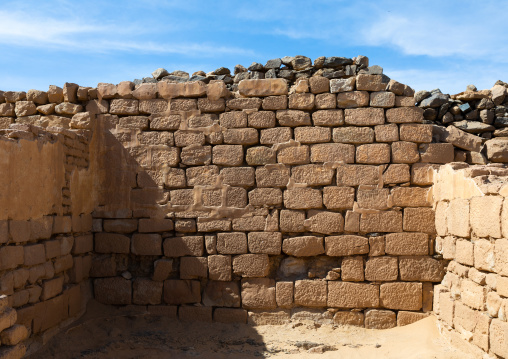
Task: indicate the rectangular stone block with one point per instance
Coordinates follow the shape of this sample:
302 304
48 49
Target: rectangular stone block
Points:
313 134
303 198
424 269
346 245
404 115
401 296
338 197
272 176
354 135
328 117
251 265
349 318
232 243
193 267
182 291
381 269
293 155
498 334
146 292
352 269
387 133
146 244
364 116
293 118
380 319
437 152
416 133
284 294
332 152
310 293
305 246
275 102
371 82
219 267
356 175
112 243
184 246
188 313
230 315
373 198
353 99
419 220
411 197
115 291
352 295
407 244
11 257
388 221
485 216
405 152
261 119
258 293
263 87
265 242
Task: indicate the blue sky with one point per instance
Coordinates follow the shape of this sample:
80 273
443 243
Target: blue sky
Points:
425 44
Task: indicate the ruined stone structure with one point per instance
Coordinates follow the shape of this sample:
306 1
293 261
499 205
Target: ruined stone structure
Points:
283 193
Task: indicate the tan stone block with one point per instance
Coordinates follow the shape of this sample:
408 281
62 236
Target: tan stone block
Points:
404 101
419 220
233 119
420 269
502 286
303 198
422 174
405 152
7 109
437 152
427 297
406 318
396 173
258 293
284 294
14 335
388 221
275 102
232 243
202 176
380 319
328 118
221 294
484 255
294 155
416 133
381 269
181 291
356 175
187 138
325 101
387 133
189 313
8 318
464 252
457 216
352 295
364 116
310 293
254 223
354 135
263 87
500 255
265 197
219 267
146 244
293 118
485 216
332 152
251 265
146 291
407 244
123 107
169 90
168 123
313 175
20 231
183 246
51 288
371 82
244 103
352 99
498 334
227 155
382 99
265 242
305 246
349 318
493 304
404 115
271 136
346 245
185 225
319 84
352 269
194 155
302 101
324 222
373 198
376 246
375 153
411 197
186 104
230 315
193 267
235 197
292 221
472 294
162 269
120 225
312 134
11 257
338 197
403 296
261 119
261 155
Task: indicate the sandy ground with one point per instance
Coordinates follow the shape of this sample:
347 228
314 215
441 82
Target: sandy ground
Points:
106 332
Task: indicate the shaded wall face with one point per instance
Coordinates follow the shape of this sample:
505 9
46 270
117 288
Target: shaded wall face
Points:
472 228
45 230
267 206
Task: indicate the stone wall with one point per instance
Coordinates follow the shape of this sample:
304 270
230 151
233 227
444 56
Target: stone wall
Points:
472 228
285 193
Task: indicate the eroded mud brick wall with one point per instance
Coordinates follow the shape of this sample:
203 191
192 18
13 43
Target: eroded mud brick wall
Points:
45 228
472 228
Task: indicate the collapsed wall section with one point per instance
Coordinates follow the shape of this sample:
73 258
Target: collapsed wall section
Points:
472 229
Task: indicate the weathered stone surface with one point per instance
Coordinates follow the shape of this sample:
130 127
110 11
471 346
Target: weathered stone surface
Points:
381 269
497 150
407 243
258 293
352 295
420 269
251 265
404 296
346 245
115 290
380 319
304 246
310 293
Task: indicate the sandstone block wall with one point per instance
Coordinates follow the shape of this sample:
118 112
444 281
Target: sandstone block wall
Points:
472 229
295 192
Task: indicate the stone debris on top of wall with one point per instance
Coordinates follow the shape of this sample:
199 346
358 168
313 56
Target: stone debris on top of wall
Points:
472 229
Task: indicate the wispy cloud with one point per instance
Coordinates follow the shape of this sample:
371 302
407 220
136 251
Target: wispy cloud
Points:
25 30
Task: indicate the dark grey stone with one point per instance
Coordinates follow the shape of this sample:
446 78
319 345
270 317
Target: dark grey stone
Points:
256 66
199 78
421 95
286 74
149 80
334 61
241 76
226 78
286 60
442 110
174 78
465 107
430 114
273 64
335 74
501 122
436 100
270 74
473 126
239 69
137 81
257 75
